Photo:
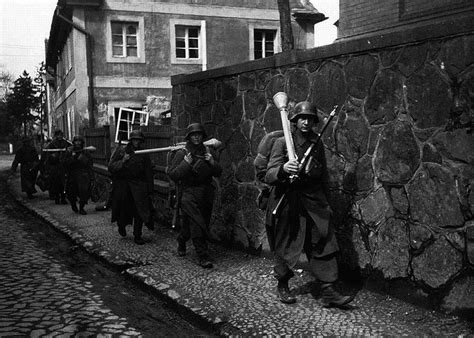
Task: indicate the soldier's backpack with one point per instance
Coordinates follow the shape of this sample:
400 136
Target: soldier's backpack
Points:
260 163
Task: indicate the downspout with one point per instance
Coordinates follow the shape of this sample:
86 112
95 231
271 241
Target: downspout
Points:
90 101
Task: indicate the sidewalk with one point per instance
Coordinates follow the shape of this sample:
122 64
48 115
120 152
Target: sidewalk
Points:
238 296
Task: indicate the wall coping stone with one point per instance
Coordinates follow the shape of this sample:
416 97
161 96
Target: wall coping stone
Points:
440 29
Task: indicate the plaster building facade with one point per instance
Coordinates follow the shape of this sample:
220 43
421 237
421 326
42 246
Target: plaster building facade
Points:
104 55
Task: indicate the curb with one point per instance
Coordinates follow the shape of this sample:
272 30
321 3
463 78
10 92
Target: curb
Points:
210 321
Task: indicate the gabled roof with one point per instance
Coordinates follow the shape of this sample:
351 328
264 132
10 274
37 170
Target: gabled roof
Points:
303 10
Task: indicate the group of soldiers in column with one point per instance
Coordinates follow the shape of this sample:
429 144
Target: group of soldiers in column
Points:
301 225
65 170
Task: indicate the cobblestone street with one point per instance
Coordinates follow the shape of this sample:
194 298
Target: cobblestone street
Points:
41 295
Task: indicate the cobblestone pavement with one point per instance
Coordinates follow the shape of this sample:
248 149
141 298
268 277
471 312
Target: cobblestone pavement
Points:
238 295
39 296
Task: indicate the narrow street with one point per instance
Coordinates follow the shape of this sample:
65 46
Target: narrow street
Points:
49 286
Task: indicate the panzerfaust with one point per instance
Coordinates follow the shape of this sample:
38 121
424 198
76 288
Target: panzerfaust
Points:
213 143
54 150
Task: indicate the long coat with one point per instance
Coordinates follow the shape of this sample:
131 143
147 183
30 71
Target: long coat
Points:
195 182
27 157
132 186
54 166
303 221
78 164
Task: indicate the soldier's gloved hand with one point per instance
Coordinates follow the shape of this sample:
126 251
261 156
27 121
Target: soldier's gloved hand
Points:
291 167
126 157
208 157
188 158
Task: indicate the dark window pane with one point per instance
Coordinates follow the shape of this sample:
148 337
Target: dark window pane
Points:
117 51
117 39
257 35
180 31
180 53
116 28
131 29
269 36
131 40
268 53
180 43
132 51
258 54
193 54
193 32
269 46
193 43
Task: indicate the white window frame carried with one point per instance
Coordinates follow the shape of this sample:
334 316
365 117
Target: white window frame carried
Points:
202 48
276 41
130 117
125 20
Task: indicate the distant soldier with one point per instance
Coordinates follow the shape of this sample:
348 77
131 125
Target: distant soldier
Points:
132 187
27 157
192 169
55 169
302 223
80 176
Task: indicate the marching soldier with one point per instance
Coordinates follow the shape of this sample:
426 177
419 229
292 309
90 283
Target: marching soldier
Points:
27 157
192 169
303 220
78 163
133 187
55 169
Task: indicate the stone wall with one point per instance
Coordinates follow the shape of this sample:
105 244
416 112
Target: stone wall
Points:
400 152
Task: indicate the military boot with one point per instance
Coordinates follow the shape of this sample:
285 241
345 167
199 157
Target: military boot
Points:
284 292
332 298
74 207
81 209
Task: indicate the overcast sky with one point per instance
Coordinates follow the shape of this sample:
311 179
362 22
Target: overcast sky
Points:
25 24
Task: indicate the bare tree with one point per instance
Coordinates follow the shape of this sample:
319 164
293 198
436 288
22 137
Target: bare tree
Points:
287 42
6 81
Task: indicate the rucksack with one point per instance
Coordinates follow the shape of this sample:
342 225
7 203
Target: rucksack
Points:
260 163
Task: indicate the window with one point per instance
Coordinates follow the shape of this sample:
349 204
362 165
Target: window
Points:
264 43
126 119
264 40
187 42
124 39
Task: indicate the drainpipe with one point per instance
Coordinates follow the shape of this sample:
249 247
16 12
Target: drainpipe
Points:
90 101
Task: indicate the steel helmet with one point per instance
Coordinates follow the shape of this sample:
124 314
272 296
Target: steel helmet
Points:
305 108
195 128
78 138
137 135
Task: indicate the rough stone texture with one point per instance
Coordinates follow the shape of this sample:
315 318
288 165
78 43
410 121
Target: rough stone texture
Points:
429 98
420 236
412 58
328 86
352 134
461 296
298 84
399 200
360 72
437 264
374 208
430 154
456 145
385 98
433 198
392 254
254 103
397 155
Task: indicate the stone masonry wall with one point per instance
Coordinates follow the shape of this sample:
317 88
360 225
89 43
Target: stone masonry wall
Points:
400 155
